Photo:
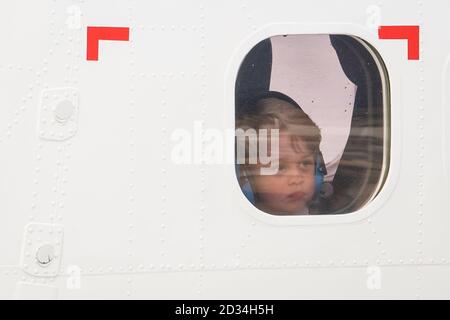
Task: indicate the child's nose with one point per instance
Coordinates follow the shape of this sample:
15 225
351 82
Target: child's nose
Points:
295 177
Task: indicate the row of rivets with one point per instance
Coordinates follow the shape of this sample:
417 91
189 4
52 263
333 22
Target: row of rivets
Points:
202 170
308 264
421 153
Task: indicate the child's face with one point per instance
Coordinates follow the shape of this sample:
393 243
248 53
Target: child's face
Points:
290 190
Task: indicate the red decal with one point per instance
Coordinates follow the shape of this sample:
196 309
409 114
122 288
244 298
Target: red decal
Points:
410 33
95 34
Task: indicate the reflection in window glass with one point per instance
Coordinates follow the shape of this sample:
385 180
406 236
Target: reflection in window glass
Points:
311 124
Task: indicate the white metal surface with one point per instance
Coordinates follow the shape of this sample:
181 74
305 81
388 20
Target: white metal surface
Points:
138 226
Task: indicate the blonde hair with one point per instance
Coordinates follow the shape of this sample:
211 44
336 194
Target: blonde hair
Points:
280 113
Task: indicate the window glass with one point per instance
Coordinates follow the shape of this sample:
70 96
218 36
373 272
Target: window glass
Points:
312 131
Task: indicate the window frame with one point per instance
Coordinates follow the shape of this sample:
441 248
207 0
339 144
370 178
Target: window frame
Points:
392 129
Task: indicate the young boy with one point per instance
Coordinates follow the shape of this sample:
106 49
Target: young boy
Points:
292 188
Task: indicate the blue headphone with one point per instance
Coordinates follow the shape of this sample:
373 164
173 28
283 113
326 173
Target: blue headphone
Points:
319 173
320 168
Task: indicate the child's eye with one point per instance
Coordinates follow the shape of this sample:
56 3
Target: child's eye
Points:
306 164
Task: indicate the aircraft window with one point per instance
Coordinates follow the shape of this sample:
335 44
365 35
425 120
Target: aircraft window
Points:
312 125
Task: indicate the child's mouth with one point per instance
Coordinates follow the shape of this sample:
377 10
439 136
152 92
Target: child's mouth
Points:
295 196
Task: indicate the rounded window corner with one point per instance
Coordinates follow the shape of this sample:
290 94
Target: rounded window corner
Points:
322 102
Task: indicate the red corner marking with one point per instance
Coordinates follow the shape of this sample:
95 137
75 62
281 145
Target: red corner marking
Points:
95 34
410 33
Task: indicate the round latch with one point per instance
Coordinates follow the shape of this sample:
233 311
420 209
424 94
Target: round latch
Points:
45 255
64 111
